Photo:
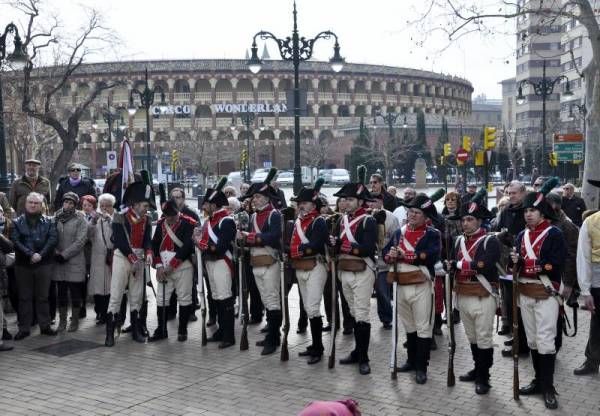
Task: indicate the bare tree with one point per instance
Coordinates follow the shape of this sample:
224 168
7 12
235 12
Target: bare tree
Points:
457 18
45 42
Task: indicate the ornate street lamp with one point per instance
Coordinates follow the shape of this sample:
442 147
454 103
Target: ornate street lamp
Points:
146 97
16 60
390 120
110 115
543 88
295 49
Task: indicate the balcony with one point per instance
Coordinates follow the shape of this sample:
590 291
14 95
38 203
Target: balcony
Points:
286 122
343 121
344 97
391 99
376 98
267 122
326 96
326 121
183 122
282 96
307 122
223 122
203 96
163 123
245 96
204 123
266 96
224 96
182 97
361 98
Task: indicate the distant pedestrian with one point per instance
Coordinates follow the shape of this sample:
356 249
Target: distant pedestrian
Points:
572 205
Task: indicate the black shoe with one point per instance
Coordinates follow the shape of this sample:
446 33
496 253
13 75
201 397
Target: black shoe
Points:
508 343
387 325
264 329
216 337
437 331
347 331
349 359
127 330
508 353
313 359
6 336
110 330
48 331
456 317
469 377
550 399
268 349
211 322
182 337
327 328
21 335
586 368
531 389
308 352
405 368
433 346
193 317
5 347
421 377
505 330
482 388
226 344
158 335
82 312
364 369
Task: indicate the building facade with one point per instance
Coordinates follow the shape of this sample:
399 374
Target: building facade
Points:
204 99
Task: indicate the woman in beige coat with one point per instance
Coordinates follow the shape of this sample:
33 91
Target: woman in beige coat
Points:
69 273
100 234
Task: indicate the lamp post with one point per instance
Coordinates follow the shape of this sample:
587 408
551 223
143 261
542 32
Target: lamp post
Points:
109 115
543 88
146 97
296 49
17 60
390 120
247 119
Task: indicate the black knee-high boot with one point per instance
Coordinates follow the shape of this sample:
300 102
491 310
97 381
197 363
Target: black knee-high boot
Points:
161 331
227 311
184 316
422 359
471 375
316 332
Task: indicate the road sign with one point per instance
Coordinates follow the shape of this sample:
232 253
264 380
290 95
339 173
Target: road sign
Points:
111 159
569 137
462 155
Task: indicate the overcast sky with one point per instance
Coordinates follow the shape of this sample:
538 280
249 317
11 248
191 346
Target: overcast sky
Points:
374 32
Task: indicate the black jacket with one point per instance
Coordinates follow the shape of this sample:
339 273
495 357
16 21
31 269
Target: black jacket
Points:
573 208
42 238
513 220
184 232
86 186
485 258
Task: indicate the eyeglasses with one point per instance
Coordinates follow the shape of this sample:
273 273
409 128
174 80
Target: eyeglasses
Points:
75 170
373 182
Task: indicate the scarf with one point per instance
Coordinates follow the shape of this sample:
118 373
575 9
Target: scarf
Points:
74 182
304 224
64 216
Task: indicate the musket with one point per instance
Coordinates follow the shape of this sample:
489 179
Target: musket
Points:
201 294
333 268
450 379
243 295
515 326
285 355
394 356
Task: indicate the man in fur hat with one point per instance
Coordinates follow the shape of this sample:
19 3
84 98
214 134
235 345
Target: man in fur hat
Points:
415 248
132 238
476 286
539 256
264 241
356 243
307 251
215 239
172 248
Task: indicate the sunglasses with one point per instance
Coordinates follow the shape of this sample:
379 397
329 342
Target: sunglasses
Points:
75 170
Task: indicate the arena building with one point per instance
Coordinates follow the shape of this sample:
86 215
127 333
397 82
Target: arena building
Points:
205 97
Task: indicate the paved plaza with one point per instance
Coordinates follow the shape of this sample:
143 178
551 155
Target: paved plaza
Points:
173 378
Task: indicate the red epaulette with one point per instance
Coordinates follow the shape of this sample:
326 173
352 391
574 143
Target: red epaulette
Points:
189 219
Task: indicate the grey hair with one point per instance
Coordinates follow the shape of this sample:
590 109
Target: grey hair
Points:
518 184
36 195
107 197
234 203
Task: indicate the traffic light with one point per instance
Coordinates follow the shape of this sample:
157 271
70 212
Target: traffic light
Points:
174 160
489 138
243 159
553 159
466 143
442 160
447 149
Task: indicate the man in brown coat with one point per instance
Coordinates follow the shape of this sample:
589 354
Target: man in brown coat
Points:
30 182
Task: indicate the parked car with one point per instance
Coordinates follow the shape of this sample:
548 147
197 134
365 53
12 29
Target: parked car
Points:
285 178
259 175
326 175
339 176
99 185
235 179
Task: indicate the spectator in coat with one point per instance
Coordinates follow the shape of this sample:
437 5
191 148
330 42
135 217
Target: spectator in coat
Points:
74 183
6 247
69 274
378 188
30 182
35 238
572 205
